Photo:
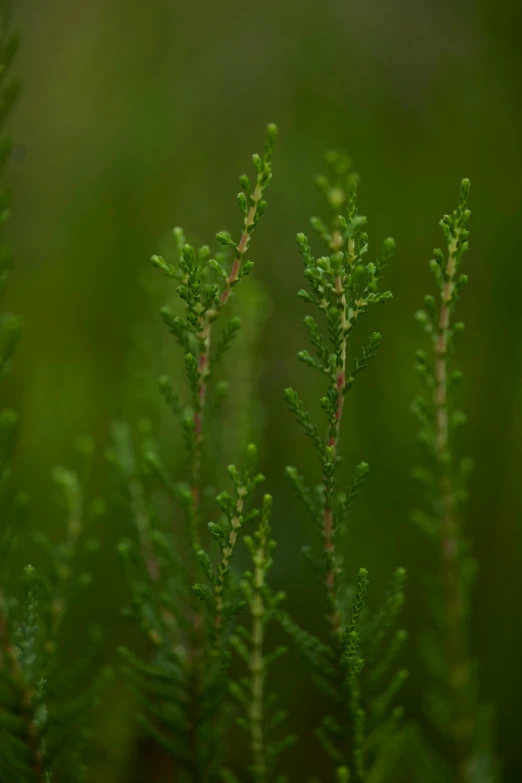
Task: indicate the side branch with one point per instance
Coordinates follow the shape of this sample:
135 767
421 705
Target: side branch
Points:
10 661
257 667
224 566
458 658
243 245
205 338
333 442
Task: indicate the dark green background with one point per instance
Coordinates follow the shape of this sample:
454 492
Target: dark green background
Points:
139 116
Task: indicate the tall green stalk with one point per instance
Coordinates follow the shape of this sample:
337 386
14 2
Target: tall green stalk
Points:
453 700
360 730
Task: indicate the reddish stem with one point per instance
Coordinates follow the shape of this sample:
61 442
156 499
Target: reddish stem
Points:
203 367
333 441
225 563
205 338
9 658
242 246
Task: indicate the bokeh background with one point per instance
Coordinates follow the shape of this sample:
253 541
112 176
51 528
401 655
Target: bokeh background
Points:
139 116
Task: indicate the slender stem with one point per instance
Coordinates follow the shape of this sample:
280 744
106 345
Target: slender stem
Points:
224 566
205 339
257 668
9 659
199 409
333 443
243 244
459 664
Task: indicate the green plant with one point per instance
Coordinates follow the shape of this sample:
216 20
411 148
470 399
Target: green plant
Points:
452 700
351 667
43 704
261 719
187 606
208 659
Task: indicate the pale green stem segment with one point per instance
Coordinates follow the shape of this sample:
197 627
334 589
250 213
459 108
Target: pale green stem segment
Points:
224 566
459 663
257 663
333 441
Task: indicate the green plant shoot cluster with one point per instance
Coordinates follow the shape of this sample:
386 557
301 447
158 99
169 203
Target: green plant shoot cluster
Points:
187 606
208 629
45 706
452 699
352 665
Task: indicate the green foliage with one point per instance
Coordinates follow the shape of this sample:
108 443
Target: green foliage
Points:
452 699
261 716
44 705
203 666
187 606
360 733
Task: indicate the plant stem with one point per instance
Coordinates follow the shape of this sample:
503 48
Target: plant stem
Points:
9 659
257 666
333 442
459 664
224 566
243 245
205 339
203 368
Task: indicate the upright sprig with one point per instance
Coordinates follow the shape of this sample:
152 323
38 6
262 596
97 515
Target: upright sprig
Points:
20 754
360 731
187 605
225 534
206 284
342 287
45 706
260 718
452 701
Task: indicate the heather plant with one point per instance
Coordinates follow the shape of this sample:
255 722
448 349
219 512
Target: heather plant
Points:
44 704
351 665
186 605
262 717
204 674
452 699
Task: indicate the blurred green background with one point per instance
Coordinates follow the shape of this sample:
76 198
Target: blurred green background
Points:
139 116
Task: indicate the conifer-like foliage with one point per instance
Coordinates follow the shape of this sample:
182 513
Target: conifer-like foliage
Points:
20 753
204 677
452 700
43 704
46 703
186 604
261 716
352 665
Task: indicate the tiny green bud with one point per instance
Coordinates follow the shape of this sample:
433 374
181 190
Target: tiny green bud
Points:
271 131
